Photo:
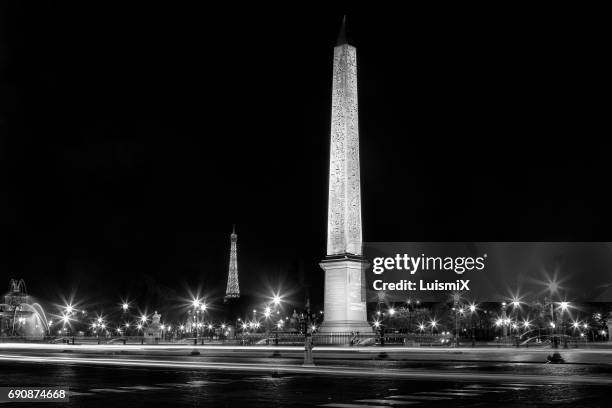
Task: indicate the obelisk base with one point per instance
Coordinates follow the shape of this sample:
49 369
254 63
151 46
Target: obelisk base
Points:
345 300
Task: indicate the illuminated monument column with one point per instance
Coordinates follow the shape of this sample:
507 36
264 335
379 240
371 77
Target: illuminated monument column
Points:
344 266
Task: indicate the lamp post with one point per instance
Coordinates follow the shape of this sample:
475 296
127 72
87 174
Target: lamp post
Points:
563 306
196 311
472 308
503 316
203 310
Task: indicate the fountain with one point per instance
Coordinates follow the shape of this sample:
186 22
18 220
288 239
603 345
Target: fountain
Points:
19 317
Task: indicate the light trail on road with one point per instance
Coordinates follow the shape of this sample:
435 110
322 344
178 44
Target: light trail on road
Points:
327 370
374 350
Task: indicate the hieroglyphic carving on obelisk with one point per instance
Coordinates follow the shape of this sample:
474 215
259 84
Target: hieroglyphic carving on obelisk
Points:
344 295
344 211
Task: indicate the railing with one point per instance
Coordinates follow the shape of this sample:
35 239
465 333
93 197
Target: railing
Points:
297 339
272 338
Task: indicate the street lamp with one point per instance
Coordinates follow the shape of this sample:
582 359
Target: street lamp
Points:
433 325
472 309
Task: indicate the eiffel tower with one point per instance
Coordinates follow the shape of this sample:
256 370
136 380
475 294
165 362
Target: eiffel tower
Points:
233 288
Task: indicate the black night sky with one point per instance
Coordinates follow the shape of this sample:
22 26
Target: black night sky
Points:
133 138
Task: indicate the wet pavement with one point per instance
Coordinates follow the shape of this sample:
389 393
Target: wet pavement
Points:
270 377
93 386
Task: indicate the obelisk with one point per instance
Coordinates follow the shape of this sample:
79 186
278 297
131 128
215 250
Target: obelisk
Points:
344 266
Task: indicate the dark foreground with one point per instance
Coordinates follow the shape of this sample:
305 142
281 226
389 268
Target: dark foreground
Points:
99 386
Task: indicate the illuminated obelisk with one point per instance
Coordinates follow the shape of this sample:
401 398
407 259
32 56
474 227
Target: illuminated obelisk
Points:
344 266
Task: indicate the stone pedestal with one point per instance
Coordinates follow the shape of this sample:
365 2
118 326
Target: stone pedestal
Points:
345 300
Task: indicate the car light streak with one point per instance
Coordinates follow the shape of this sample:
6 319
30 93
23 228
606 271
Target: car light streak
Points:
326 370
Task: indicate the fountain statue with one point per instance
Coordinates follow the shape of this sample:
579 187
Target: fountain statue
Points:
19 317
153 333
